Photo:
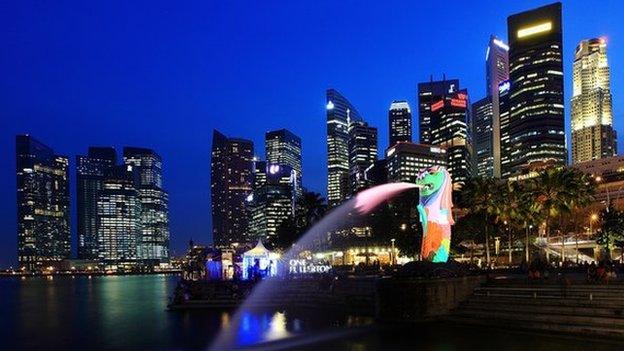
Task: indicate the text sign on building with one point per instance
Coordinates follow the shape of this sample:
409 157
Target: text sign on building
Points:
306 267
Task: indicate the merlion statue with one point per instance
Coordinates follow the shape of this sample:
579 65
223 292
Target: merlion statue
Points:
435 213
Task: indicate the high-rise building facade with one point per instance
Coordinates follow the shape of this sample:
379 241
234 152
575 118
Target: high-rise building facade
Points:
119 228
231 182
340 113
536 97
91 170
153 244
483 136
593 136
284 148
448 124
43 224
496 65
428 93
271 202
496 71
404 161
399 122
362 154
506 150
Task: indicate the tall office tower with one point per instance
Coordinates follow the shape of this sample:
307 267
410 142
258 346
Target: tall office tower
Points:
362 154
272 202
404 161
259 173
593 136
496 65
231 182
428 93
399 122
284 148
483 136
91 170
536 98
340 113
505 142
119 217
447 114
153 244
43 229
496 71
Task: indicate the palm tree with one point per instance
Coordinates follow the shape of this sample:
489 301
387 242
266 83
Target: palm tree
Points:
478 196
508 202
559 190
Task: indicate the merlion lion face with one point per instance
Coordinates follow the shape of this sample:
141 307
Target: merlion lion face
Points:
431 180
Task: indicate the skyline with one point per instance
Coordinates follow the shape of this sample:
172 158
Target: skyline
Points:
391 75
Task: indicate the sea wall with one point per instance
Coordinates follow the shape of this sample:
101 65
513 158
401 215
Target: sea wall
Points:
409 300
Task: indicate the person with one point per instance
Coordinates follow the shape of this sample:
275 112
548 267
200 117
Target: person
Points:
591 273
601 272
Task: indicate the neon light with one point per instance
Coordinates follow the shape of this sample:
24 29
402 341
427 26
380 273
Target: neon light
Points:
501 45
437 105
536 29
462 96
458 103
503 87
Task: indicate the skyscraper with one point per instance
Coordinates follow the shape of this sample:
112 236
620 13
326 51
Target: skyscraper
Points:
271 202
284 148
43 224
404 161
593 136
496 71
399 122
505 141
119 217
483 136
429 92
536 97
231 181
153 243
445 108
91 170
496 65
362 154
340 113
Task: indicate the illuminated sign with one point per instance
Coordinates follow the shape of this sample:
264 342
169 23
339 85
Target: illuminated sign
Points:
330 105
437 105
273 169
462 96
503 87
536 29
296 266
501 45
390 152
458 103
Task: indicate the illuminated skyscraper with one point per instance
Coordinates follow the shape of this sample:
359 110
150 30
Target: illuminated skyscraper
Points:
284 148
399 122
340 113
362 154
91 170
119 217
447 113
483 132
496 71
43 229
231 182
404 161
593 136
428 93
153 243
272 201
505 143
536 97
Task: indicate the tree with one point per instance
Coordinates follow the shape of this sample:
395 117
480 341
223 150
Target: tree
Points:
612 229
478 196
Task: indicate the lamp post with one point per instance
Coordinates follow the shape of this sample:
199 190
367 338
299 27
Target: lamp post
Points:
393 258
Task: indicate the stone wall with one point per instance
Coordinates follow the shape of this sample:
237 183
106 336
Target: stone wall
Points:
415 300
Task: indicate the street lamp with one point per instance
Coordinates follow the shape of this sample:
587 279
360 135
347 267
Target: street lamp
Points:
393 259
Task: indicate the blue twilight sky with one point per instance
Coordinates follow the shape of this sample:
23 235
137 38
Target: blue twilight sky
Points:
163 74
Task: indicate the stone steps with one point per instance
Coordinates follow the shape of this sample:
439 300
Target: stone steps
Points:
593 310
